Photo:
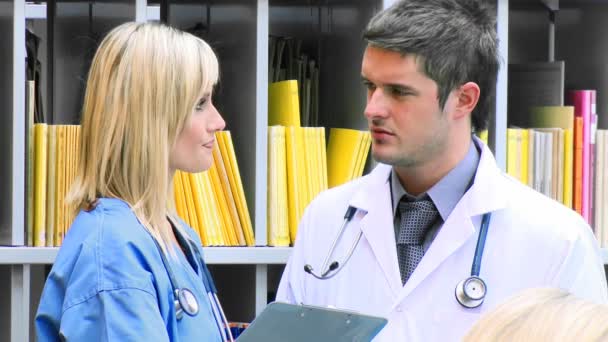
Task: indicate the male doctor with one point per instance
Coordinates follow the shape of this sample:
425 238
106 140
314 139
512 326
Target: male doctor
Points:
430 69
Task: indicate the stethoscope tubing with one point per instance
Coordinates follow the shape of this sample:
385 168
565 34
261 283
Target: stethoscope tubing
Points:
216 307
335 267
350 212
218 311
481 242
350 253
217 301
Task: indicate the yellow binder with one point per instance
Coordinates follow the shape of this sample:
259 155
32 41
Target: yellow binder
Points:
191 209
283 104
180 200
344 145
234 177
295 175
233 214
227 226
197 199
51 181
61 146
40 187
277 217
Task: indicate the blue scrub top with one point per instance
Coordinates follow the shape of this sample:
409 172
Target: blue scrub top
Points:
108 283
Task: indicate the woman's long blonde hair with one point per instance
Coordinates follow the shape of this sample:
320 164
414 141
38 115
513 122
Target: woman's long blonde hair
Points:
543 314
144 82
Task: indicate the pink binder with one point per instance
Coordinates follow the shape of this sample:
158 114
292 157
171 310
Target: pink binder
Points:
583 100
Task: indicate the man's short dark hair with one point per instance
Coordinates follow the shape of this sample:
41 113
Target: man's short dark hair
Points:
454 40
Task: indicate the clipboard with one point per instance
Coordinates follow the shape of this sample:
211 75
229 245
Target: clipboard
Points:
280 322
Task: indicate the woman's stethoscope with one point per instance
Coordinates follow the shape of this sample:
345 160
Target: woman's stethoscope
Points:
184 299
470 292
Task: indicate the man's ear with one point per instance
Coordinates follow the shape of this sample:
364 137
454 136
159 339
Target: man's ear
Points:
467 98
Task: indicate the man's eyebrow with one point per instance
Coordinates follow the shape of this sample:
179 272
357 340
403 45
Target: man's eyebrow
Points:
400 86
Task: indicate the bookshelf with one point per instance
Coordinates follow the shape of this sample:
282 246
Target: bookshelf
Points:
238 30
571 32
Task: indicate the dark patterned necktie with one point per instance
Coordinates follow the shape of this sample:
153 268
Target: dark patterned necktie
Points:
416 219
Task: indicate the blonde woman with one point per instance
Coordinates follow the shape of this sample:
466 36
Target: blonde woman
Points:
128 270
543 315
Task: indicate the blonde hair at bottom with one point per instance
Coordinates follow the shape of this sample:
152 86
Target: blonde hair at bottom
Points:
543 314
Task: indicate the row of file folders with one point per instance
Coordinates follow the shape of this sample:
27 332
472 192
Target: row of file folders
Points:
560 159
212 202
52 156
300 166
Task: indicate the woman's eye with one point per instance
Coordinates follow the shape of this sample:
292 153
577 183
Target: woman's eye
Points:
201 104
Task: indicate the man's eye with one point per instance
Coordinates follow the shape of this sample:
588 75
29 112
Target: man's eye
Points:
369 85
399 92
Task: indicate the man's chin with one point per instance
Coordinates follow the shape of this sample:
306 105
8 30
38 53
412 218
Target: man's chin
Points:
383 158
391 159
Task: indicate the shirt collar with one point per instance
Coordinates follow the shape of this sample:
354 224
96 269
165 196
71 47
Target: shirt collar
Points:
446 193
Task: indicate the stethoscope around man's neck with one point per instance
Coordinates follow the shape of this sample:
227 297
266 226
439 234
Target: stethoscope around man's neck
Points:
470 292
184 300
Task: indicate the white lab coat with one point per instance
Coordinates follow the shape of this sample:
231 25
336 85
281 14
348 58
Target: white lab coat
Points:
532 242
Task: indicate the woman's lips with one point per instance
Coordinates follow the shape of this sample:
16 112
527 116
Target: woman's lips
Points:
210 144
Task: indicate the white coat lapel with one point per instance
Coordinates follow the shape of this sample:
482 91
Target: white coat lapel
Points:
377 226
456 231
485 195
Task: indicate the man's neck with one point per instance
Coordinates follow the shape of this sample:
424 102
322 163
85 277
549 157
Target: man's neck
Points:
420 178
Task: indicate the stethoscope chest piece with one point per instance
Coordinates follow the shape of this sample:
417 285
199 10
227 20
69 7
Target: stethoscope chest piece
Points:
471 292
186 302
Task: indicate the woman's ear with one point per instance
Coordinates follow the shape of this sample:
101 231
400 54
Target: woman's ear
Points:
467 98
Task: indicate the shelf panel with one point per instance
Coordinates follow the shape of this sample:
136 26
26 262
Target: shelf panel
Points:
554 5
213 255
38 11
35 11
247 255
